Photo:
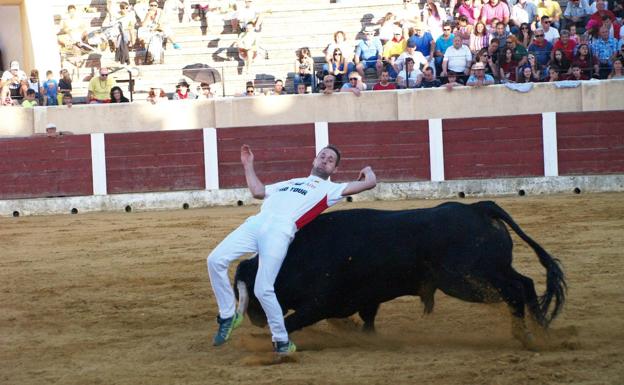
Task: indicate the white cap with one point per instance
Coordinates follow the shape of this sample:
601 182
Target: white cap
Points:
15 65
50 125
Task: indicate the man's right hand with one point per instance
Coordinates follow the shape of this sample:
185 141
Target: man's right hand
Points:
247 157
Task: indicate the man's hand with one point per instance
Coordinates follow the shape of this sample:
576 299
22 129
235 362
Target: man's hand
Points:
247 157
366 170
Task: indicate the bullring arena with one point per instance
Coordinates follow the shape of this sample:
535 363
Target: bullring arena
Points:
105 229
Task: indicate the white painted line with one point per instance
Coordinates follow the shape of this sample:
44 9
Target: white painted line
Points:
549 132
321 135
98 164
436 150
211 159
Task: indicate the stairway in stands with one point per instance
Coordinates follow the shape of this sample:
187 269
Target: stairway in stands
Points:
290 25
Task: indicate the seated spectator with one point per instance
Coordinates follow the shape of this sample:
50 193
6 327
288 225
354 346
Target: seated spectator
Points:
245 16
248 44
250 89
576 14
346 48
423 42
576 73
574 36
52 132
586 61
368 53
304 68
68 99
355 84
410 52
604 49
520 53
523 12
550 32
617 72
596 19
73 30
153 23
29 100
565 44
124 18
65 82
182 91
614 27
526 75
479 38
410 76
470 11
491 68
156 95
457 58
393 48
205 91
434 16
278 88
508 67
495 9
10 81
328 86
117 96
553 74
100 87
23 88
540 48
501 34
35 84
525 35
50 90
463 29
452 81
337 66
387 27
409 14
493 50
429 79
442 43
384 82
552 11
478 77
560 61
302 89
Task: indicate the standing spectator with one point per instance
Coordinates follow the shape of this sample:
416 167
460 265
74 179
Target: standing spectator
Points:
410 77
434 17
68 99
541 49
550 32
182 91
304 68
586 61
576 13
384 82
157 95
508 67
495 9
368 53
65 82
50 90
355 84
278 88
429 79
117 96
423 41
479 38
247 44
443 42
245 16
10 81
604 49
393 49
479 78
525 35
617 72
524 12
565 44
501 34
464 29
552 10
457 58
29 100
100 87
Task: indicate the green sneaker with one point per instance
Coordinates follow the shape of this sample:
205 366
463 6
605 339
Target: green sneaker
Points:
226 326
284 348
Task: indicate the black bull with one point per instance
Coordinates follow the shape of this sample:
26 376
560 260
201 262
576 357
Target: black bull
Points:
351 261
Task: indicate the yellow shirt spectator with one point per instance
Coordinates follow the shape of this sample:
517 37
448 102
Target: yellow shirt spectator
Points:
394 48
549 8
100 87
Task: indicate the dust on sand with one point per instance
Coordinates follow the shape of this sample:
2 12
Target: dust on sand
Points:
116 298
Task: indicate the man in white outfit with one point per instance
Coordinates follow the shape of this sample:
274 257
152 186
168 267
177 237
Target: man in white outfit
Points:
288 206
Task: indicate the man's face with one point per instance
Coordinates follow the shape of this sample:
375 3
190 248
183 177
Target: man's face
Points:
368 35
447 31
104 73
493 2
329 83
500 28
428 75
384 77
546 24
67 101
418 31
494 47
279 86
30 97
457 42
576 71
410 50
565 38
604 34
324 165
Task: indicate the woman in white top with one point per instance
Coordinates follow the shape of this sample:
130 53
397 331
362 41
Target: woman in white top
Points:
386 27
434 16
410 76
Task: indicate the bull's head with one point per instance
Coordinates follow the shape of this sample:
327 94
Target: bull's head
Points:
245 278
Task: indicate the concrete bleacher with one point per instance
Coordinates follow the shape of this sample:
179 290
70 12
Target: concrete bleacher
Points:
289 26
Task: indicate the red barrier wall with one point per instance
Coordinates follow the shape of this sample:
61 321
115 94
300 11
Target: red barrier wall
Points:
281 152
397 150
155 161
493 147
35 167
590 142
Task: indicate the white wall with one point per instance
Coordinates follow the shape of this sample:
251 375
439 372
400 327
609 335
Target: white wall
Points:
11 35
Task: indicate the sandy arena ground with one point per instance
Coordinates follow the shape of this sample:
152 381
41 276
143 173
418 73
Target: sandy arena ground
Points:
116 298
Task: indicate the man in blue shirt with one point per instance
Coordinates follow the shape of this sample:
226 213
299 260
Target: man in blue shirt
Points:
541 48
368 53
424 42
604 49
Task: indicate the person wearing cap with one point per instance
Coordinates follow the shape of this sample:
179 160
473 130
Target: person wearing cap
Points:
410 52
410 77
479 77
355 84
368 53
100 87
182 91
11 79
457 58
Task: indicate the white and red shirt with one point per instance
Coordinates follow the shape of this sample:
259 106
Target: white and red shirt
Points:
301 199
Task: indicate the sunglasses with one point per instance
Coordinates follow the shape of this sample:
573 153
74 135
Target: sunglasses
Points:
153 6
250 91
524 28
351 79
447 29
545 22
337 53
103 75
539 35
208 89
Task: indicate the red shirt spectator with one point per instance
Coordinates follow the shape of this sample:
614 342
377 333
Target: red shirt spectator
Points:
565 44
384 83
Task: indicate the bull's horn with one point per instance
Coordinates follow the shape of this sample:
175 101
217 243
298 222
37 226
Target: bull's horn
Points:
243 297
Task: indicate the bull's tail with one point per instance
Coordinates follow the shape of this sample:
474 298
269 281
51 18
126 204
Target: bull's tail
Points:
555 280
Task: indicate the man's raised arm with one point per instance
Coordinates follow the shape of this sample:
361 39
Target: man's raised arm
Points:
366 181
255 186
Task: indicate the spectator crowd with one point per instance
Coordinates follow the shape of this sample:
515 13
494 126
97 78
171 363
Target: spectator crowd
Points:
433 44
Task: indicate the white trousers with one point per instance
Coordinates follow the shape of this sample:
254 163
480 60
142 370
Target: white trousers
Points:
268 235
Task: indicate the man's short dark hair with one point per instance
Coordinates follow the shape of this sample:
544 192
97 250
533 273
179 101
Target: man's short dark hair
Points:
336 150
31 92
70 7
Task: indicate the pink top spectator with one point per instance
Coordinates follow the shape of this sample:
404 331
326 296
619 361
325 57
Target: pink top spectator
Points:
499 11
